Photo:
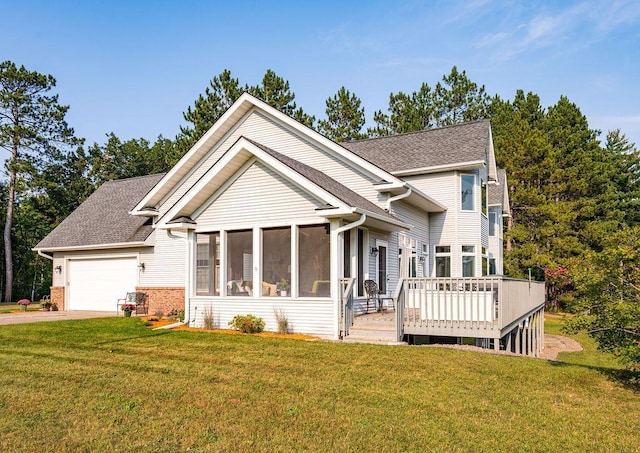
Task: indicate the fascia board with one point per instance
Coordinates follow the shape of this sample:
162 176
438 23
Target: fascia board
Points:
439 168
314 136
116 245
204 180
241 145
242 103
493 167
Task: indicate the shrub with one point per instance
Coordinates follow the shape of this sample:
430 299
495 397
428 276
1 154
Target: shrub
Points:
247 323
208 322
282 320
176 314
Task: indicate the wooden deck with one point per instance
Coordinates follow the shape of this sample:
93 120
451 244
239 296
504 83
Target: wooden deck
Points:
491 308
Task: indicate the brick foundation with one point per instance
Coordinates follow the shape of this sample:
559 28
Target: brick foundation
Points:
163 299
57 296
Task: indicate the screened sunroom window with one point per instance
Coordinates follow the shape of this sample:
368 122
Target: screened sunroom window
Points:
208 264
240 263
276 262
314 261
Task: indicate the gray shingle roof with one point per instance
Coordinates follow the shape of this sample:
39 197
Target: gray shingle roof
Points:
430 148
329 184
496 191
103 217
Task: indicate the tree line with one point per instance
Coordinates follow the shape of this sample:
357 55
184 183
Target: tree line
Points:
574 199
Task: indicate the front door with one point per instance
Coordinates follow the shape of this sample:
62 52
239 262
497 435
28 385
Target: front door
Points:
382 266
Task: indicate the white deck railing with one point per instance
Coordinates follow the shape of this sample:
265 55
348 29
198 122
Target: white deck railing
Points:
474 307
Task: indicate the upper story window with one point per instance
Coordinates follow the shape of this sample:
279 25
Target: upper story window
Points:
484 197
493 222
467 182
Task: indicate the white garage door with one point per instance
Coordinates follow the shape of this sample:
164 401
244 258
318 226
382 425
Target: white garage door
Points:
96 284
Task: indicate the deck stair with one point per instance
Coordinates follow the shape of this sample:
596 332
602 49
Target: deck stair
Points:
375 328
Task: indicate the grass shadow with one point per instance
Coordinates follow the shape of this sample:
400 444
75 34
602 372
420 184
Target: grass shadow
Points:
630 380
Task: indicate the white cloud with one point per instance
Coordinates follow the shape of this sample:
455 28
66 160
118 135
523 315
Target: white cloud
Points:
589 20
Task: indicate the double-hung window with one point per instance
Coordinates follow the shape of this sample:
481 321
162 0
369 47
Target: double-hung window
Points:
493 222
468 260
443 261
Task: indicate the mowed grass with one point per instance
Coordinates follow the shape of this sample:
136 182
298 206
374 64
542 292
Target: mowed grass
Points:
114 385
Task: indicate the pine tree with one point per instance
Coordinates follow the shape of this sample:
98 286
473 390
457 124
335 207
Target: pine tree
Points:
459 100
223 90
345 117
276 92
33 129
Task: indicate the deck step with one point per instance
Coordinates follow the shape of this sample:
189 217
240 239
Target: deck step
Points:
374 340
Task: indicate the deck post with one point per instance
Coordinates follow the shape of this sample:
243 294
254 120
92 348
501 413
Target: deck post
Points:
518 339
541 330
536 335
508 344
530 336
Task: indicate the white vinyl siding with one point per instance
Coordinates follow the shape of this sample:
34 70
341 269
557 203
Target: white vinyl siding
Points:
314 316
419 221
165 262
259 195
260 128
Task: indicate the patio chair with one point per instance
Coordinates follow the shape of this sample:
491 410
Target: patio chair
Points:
137 299
372 292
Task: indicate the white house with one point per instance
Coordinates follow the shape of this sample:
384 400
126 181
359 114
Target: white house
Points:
263 213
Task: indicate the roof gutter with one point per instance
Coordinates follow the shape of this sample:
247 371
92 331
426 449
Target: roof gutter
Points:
115 245
352 225
397 197
44 255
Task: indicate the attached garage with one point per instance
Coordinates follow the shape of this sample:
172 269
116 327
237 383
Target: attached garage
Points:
96 284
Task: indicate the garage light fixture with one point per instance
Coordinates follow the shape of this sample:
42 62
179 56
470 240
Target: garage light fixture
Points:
141 267
58 269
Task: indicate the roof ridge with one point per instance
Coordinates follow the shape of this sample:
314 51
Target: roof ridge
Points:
421 131
134 177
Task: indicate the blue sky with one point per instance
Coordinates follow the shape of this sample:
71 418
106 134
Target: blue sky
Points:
132 67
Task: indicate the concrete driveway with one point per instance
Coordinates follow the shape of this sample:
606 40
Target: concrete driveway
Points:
40 316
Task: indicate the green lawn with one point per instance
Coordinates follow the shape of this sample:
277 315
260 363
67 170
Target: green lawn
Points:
114 385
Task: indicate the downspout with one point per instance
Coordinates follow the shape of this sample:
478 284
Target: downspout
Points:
397 197
187 299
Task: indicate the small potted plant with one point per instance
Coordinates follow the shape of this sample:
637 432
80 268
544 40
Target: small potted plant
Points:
45 305
25 303
284 287
127 309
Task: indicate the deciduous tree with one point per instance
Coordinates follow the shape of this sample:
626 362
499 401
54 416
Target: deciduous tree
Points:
608 307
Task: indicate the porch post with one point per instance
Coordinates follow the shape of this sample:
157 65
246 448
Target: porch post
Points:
334 244
518 339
